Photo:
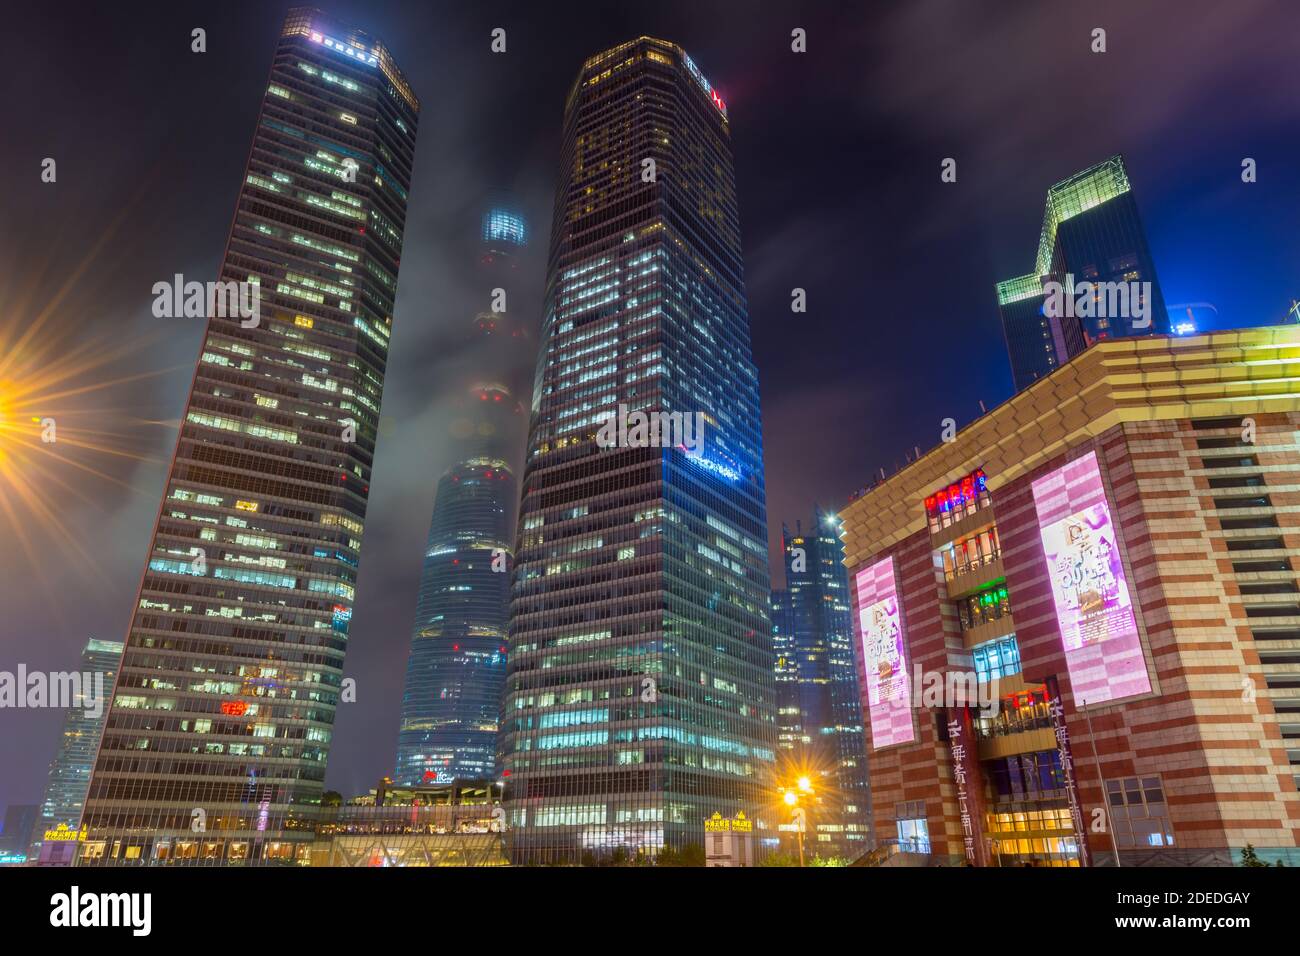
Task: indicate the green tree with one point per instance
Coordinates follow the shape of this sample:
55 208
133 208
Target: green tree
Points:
1249 857
692 855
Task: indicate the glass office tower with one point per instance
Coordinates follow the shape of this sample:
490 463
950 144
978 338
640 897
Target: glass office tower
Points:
818 687
456 671
640 696
65 792
214 750
1092 232
789 723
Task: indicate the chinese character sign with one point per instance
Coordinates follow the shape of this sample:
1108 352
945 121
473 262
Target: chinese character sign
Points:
884 655
1094 608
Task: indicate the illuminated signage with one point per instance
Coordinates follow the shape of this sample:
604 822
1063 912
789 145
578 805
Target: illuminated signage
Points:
720 824
360 55
1057 709
64 834
704 84
7 858
1094 609
234 708
717 468
957 495
963 751
884 655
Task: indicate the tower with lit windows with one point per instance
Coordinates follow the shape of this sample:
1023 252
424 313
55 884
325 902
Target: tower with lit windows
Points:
1092 232
215 747
640 696
456 670
821 711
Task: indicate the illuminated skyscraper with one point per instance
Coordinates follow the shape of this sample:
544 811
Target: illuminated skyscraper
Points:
640 694
214 750
821 712
65 793
1091 233
457 666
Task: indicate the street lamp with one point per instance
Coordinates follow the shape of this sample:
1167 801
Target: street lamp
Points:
797 813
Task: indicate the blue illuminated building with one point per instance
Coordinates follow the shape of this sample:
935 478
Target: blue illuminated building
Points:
817 685
640 696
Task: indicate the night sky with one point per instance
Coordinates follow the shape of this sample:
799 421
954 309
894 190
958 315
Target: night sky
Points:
837 155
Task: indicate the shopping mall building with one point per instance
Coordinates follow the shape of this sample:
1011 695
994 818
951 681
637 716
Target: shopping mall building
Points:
1077 623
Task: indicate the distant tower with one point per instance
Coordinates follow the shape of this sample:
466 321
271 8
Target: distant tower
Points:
817 684
1091 233
456 670
65 792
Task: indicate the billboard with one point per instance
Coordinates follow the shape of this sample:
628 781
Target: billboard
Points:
884 655
1094 608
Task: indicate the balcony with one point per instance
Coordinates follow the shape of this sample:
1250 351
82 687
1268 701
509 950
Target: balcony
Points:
1004 626
963 527
1017 742
970 578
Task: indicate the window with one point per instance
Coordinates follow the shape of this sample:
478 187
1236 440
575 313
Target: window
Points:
1138 812
990 604
996 659
913 832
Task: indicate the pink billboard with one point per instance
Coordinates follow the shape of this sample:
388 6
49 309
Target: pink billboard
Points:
1094 609
884 655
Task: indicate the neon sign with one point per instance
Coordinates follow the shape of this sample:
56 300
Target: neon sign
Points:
361 56
234 708
705 85
957 495
64 834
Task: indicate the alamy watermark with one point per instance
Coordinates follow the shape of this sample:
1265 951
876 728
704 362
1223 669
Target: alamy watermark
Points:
638 429
953 688
59 689
1098 300
196 300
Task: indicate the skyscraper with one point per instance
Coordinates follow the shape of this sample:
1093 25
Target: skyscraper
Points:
1091 233
639 692
214 750
457 666
818 686
789 722
65 793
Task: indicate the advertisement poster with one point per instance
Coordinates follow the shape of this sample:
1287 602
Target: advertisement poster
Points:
884 655
1094 607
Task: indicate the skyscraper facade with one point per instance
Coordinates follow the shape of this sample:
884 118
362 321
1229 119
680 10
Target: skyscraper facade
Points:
817 686
1091 233
214 750
639 692
456 671
65 792
789 722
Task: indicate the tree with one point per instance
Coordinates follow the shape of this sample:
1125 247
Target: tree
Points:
1249 857
331 798
693 855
